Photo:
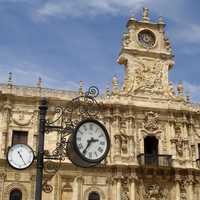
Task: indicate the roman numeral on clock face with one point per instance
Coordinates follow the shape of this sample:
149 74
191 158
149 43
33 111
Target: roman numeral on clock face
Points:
100 149
80 146
102 143
90 154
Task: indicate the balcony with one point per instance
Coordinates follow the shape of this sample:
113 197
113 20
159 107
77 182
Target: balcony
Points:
154 160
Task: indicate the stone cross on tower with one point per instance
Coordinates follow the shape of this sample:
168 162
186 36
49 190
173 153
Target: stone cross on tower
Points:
147 56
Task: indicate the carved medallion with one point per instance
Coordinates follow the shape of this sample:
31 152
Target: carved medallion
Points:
151 121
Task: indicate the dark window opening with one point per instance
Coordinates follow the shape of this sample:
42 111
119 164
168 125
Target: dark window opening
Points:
94 196
151 150
19 137
199 150
16 195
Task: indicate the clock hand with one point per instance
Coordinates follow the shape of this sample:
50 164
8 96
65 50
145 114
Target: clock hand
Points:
21 157
88 144
94 140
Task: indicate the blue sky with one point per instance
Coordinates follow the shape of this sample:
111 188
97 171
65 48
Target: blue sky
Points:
65 41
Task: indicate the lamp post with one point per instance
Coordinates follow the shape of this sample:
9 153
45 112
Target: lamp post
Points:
40 151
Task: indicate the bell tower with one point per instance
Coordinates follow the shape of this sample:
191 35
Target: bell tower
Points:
147 56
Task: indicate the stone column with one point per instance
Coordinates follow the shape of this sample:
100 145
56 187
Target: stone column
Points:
131 133
190 188
32 185
132 154
109 188
56 186
190 192
77 184
132 188
75 189
177 188
118 188
2 178
117 145
5 124
108 121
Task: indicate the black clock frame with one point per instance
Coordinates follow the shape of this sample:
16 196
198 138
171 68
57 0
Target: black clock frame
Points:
76 146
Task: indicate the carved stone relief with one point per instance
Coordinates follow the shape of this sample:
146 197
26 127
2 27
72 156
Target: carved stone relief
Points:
151 125
126 39
124 189
179 141
145 76
149 77
151 121
183 185
22 117
151 191
123 141
155 192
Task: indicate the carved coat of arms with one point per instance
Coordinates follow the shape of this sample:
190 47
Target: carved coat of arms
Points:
151 121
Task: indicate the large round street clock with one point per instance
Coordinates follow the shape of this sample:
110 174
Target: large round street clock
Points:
89 144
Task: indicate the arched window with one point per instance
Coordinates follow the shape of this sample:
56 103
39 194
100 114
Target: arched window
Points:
15 195
94 196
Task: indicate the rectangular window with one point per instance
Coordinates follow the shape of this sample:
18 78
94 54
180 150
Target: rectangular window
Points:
19 137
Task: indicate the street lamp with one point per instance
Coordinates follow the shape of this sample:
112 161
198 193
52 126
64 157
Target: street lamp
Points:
83 139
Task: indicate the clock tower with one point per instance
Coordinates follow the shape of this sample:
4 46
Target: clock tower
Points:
147 56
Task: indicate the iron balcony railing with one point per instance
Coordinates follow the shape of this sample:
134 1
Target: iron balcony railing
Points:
155 160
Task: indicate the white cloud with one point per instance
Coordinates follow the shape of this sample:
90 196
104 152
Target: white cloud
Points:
88 7
28 74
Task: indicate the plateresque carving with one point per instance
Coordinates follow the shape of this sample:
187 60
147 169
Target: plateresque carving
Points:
155 192
151 122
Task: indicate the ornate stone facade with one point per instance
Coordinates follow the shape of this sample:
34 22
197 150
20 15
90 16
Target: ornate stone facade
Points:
155 133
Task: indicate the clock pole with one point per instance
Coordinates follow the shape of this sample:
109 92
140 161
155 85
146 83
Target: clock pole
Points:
40 151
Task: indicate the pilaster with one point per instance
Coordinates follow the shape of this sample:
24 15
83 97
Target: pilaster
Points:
132 182
5 125
77 188
2 179
177 187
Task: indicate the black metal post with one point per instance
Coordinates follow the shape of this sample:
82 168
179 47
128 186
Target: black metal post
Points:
39 176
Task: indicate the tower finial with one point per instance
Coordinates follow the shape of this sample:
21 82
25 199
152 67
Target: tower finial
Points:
180 89
107 90
39 82
10 78
188 96
160 20
145 14
115 85
81 92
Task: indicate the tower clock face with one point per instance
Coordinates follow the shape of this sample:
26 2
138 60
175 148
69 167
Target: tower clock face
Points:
20 156
91 141
146 38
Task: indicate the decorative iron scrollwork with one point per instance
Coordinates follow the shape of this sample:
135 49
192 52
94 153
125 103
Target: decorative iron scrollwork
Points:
67 117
